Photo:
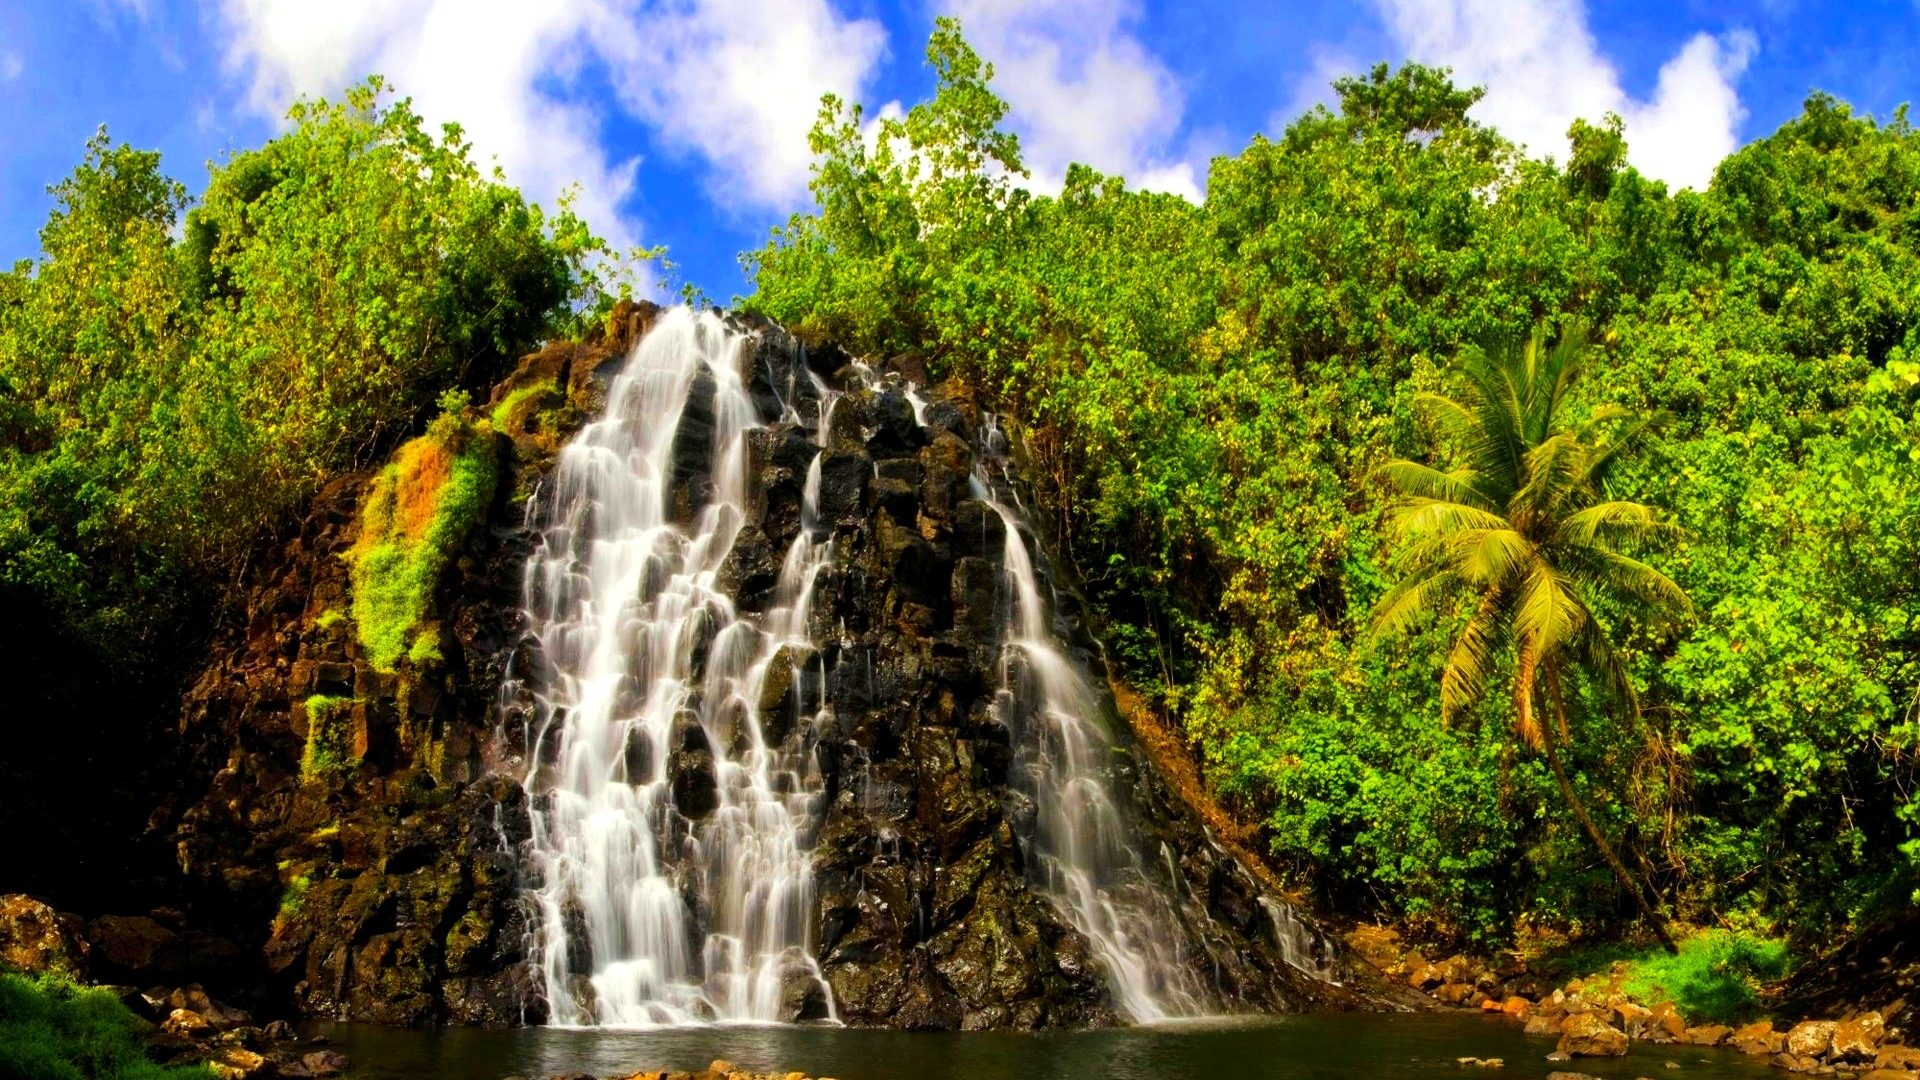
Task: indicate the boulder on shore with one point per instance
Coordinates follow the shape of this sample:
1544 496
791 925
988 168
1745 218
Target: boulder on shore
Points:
1589 1035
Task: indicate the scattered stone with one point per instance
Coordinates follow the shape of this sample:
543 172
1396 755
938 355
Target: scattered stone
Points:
237 1063
1707 1035
1898 1058
1665 1024
1543 1025
1482 1063
1589 1035
1857 1038
1758 1039
323 1063
1571 1076
1810 1039
187 1024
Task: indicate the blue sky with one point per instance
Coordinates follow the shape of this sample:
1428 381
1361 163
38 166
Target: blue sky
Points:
684 123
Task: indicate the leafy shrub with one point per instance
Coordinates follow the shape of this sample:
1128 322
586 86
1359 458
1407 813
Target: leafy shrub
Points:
1715 977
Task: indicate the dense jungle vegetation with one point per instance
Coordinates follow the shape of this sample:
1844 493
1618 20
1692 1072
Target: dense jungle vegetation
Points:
177 375
1213 390
1213 395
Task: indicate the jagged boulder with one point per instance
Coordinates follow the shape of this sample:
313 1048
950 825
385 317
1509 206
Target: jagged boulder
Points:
36 938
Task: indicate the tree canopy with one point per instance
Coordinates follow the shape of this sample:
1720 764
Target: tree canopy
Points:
1211 391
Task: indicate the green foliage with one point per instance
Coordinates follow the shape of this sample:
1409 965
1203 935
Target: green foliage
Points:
54 1029
1208 391
169 388
417 514
329 739
1716 976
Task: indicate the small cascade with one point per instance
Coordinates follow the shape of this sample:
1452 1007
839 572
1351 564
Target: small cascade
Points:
1303 948
670 861
1086 854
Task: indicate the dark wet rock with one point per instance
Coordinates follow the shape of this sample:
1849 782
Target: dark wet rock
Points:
691 482
895 431
979 531
389 891
35 938
844 475
694 784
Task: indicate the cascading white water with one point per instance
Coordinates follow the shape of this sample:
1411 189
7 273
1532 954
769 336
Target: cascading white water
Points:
1301 946
644 914
1083 845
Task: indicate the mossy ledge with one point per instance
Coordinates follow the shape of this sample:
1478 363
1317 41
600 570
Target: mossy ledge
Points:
418 512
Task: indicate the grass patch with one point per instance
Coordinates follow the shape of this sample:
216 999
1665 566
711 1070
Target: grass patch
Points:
418 513
53 1029
513 409
328 617
329 740
1716 976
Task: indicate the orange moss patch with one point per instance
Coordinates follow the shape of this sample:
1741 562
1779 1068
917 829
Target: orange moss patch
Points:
425 465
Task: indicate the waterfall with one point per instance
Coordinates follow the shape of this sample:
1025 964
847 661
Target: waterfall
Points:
669 860
1085 850
673 770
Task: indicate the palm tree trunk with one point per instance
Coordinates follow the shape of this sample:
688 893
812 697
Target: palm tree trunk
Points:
1579 808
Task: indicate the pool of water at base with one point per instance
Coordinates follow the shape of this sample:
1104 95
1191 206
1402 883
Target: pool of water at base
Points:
1342 1046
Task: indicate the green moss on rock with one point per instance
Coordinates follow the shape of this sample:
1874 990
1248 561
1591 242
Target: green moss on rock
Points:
419 512
329 736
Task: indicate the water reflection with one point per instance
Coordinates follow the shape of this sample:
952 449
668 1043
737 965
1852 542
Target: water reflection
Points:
1324 1047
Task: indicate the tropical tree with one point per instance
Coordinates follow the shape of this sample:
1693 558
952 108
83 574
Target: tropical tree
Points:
1525 530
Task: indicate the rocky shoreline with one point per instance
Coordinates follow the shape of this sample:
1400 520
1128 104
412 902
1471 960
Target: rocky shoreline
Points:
1596 1018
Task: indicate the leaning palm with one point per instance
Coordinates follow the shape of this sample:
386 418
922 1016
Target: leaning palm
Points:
1524 533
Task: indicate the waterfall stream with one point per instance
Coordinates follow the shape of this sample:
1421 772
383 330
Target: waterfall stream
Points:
674 792
654 680
1084 846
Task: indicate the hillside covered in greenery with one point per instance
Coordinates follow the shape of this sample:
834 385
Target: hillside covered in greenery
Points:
1212 391
1216 396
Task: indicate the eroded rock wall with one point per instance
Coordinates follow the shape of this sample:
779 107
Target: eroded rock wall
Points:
390 890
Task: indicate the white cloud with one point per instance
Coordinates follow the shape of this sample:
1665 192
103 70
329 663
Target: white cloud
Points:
734 81
1542 69
1082 88
480 63
739 82
11 66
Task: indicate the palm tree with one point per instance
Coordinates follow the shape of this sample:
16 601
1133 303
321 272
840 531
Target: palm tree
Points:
1524 531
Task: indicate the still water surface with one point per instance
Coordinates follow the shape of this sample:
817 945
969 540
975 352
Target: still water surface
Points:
1319 1047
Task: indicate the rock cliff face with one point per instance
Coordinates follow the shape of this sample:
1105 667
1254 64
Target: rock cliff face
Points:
392 890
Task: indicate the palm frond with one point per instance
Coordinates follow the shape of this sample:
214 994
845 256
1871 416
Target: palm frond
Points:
1601 460
1408 602
1424 481
1421 516
1552 468
1488 557
1630 577
1600 659
1613 521
1465 677
1548 612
